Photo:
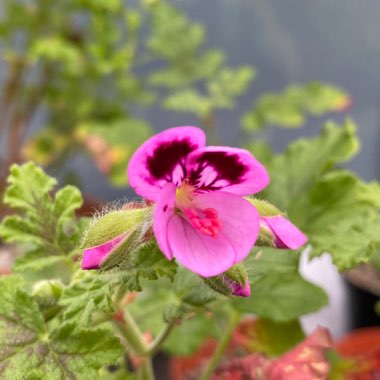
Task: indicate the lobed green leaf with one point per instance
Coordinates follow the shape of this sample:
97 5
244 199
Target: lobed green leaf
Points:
30 350
45 227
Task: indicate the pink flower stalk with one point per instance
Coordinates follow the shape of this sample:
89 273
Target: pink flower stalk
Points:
200 215
286 234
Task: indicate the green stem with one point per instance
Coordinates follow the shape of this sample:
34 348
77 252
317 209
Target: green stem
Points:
135 341
222 346
145 370
120 293
160 338
132 334
137 344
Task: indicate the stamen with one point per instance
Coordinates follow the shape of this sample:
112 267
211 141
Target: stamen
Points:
206 221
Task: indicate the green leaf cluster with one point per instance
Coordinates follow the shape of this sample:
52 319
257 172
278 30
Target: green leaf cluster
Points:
48 327
221 91
31 348
279 292
95 65
134 264
188 303
338 211
189 67
167 294
44 225
86 296
289 108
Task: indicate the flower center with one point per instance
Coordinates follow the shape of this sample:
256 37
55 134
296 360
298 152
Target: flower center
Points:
206 221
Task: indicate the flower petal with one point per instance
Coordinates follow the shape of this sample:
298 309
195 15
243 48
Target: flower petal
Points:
94 257
161 159
201 254
229 169
240 219
286 234
163 212
211 256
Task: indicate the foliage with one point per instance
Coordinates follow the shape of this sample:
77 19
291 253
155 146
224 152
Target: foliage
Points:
289 108
44 226
278 290
93 65
31 348
86 298
328 203
58 333
339 212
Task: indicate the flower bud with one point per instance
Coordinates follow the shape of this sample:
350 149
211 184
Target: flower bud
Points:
234 282
47 294
285 234
112 235
275 229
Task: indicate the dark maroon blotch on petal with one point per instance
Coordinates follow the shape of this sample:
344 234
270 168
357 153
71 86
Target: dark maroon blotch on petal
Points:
166 156
227 165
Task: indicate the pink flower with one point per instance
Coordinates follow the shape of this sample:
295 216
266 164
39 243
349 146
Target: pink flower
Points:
200 215
285 234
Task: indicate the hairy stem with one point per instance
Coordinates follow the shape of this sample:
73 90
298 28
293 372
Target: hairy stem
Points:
222 346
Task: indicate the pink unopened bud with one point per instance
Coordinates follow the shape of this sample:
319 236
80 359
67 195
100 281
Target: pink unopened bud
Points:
285 234
94 257
234 282
241 290
116 232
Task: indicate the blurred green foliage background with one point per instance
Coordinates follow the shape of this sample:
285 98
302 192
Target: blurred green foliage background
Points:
86 68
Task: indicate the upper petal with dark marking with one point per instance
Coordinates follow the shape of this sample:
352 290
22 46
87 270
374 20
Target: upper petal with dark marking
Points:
229 169
162 159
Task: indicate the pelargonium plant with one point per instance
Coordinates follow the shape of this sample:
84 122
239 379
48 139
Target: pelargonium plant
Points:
204 266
